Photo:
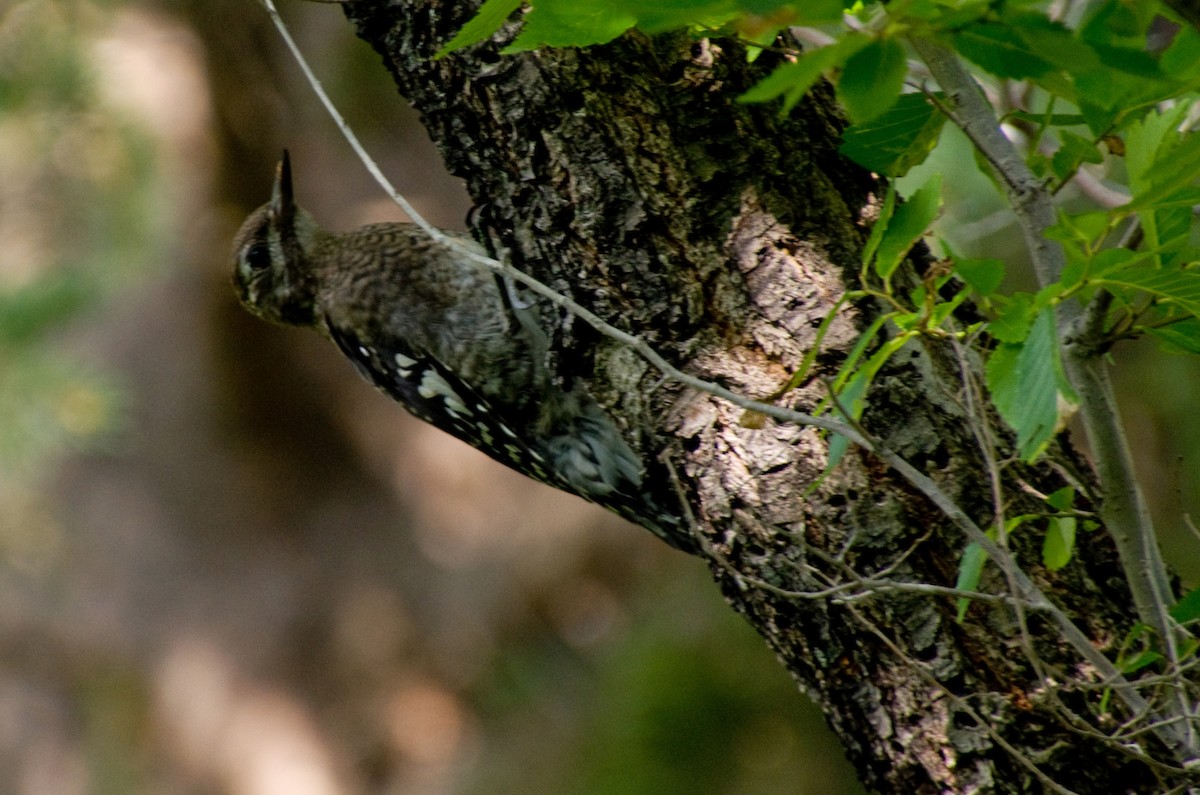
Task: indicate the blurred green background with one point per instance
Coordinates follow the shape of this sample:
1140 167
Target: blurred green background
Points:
227 565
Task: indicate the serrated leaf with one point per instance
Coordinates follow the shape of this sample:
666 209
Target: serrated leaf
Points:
792 77
898 140
1023 381
491 15
568 23
871 80
1114 259
1175 223
1074 150
1150 139
1056 43
1121 89
1182 337
998 49
984 276
1178 287
1157 130
1015 317
1173 169
908 224
1059 543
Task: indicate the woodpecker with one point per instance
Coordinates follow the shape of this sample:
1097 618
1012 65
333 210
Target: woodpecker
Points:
448 339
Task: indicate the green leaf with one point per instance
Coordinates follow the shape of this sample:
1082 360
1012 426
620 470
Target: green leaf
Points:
1122 89
1000 50
1023 381
1188 608
1139 661
810 356
570 23
851 388
1182 337
984 276
1059 542
1015 318
1182 58
1083 228
1114 259
663 16
1173 169
1074 150
1145 138
1056 43
1149 140
865 340
908 225
793 80
970 569
1178 287
898 140
852 400
810 12
1174 224
1063 499
1116 23
492 14
871 79
881 224
944 309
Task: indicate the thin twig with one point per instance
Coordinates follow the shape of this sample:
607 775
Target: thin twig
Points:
961 704
1123 507
980 424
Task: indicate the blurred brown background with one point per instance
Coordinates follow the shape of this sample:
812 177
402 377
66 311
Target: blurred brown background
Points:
227 565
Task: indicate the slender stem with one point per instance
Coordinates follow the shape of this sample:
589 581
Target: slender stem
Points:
1123 507
969 109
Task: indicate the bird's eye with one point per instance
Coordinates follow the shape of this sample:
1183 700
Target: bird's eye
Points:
258 257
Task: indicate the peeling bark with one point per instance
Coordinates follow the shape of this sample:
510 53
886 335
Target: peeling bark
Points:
629 178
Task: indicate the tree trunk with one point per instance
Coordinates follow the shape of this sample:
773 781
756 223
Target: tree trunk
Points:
628 177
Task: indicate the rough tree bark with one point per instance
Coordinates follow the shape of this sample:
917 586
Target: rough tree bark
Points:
628 177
